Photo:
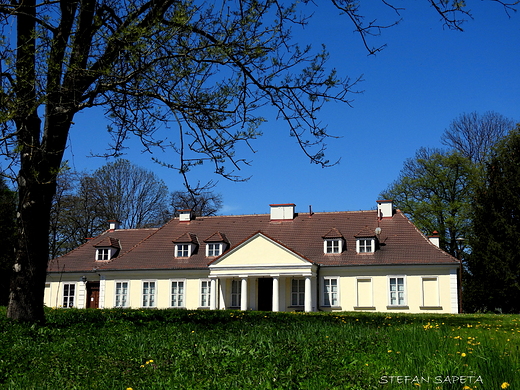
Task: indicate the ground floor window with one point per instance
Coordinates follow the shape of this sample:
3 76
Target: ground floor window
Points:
205 293
236 292
397 291
69 292
330 292
121 294
298 292
177 293
148 294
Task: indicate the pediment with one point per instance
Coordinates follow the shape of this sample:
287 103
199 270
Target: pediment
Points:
260 250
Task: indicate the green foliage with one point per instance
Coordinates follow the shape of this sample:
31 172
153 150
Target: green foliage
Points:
166 349
494 264
435 189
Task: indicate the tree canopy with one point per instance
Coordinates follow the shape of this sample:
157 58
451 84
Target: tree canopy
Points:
494 264
435 190
119 190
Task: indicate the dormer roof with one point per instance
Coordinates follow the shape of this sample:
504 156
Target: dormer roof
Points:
108 242
217 237
333 233
186 238
366 232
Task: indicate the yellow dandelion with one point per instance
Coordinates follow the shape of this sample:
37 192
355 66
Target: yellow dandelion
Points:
466 388
389 350
504 385
463 354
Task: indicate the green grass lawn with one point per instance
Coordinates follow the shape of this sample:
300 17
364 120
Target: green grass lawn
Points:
179 349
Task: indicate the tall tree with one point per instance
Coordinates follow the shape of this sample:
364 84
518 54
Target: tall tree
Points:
435 190
207 66
120 191
494 264
473 135
7 238
202 204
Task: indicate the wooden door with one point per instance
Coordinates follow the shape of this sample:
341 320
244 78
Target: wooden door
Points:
92 295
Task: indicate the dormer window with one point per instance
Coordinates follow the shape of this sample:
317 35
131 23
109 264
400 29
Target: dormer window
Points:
333 246
333 242
366 240
103 254
183 250
365 245
107 249
185 245
213 249
216 244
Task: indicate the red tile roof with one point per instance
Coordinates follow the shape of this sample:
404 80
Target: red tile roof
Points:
400 242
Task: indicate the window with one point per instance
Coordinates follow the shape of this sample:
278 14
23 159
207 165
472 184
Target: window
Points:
103 254
298 292
205 293
397 291
213 249
182 250
177 293
148 294
236 291
69 291
333 246
121 294
330 292
365 245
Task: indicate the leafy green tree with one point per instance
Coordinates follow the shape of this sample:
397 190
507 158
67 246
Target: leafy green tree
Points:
202 68
7 238
494 264
434 189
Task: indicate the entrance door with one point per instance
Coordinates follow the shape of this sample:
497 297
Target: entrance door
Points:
265 294
92 295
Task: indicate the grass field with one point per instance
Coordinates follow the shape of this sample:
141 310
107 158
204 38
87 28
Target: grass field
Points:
179 349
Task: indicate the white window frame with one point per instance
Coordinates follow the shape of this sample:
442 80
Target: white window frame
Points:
184 248
362 247
236 292
213 249
178 293
149 293
121 299
68 298
205 293
335 243
328 294
297 292
390 291
103 254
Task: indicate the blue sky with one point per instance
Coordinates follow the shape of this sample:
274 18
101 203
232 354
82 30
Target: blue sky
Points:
412 90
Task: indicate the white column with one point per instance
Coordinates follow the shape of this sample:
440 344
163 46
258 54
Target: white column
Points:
276 293
213 295
243 294
308 294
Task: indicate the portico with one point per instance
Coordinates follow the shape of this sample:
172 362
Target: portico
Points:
263 274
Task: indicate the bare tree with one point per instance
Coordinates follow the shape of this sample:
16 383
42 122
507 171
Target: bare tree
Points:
473 135
202 204
203 68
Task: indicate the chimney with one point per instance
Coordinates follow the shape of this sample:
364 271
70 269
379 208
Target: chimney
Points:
113 224
282 212
385 209
186 215
434 238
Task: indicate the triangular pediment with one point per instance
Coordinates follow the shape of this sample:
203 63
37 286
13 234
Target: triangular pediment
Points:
260 250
